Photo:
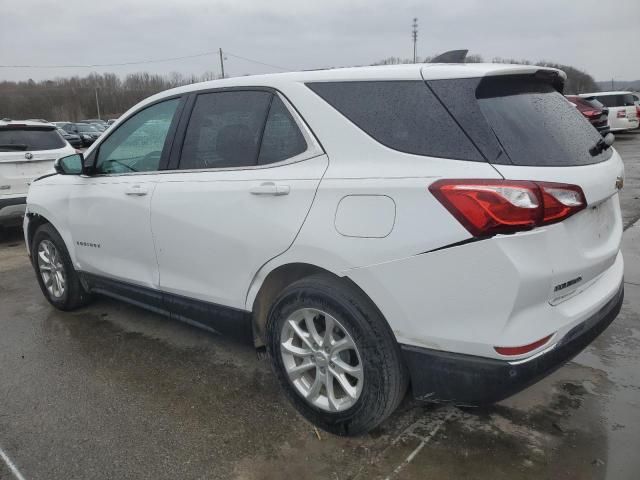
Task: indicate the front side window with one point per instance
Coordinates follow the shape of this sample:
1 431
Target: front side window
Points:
137 144
224 130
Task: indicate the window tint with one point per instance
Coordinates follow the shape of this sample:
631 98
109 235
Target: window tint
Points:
536 126
224 130
12 139
618 100
282 138
592 102
403 115
137 144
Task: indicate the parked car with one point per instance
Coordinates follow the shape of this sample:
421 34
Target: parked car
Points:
592 110
636 101
39 120
363 226
87 133
94 120
73 139
27 151
623 114
101 127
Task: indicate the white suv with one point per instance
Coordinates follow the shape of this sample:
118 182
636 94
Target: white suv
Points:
452 226
27 151
623 114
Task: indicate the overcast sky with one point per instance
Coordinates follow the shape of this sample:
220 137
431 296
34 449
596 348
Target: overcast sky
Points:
602 38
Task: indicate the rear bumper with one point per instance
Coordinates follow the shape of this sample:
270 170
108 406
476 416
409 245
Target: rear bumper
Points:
470 380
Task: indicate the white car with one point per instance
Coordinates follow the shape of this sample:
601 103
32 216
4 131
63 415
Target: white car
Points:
27 151
452 226
623 114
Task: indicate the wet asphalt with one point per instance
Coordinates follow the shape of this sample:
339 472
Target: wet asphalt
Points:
112 391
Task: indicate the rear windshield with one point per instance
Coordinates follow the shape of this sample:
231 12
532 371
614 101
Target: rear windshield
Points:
618 100
592 102
403 115
535 125
16 139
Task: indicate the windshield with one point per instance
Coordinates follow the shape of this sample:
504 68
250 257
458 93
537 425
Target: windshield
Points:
86 128
535 125
12 139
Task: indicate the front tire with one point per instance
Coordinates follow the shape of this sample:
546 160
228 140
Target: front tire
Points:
56 276
335 355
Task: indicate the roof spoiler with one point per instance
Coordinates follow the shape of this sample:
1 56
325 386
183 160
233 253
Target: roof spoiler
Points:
452 56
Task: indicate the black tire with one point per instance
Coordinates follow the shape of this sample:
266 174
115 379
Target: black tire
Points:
74 295
385 375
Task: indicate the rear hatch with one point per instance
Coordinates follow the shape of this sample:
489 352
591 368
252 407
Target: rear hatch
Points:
528 131
26 153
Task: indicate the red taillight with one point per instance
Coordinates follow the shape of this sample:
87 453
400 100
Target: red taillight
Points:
621 114
521 350
591 113
492 207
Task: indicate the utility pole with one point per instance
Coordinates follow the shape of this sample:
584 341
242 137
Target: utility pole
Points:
221 62
97 104
414 34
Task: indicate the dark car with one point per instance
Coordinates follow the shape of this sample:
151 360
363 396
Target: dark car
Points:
593 110
87 133
94 120
73 139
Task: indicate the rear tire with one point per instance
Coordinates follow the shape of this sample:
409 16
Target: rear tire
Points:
366 355
56 276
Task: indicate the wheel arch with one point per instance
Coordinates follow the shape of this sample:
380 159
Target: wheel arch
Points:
280 278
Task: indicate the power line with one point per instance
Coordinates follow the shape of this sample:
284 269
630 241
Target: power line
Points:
113 64
256 61
141 62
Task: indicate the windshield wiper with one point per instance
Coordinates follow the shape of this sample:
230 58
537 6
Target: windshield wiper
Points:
602 144
13 146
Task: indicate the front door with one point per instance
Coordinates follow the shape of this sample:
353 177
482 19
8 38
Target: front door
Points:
110 210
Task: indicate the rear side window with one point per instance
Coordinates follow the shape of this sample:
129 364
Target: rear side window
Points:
535 125
282 138
21 139
402 115
224 130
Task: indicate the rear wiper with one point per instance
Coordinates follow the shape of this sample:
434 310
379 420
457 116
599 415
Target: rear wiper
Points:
13 146
602 144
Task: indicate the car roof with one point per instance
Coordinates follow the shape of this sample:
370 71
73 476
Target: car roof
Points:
26 123
428 71
417 71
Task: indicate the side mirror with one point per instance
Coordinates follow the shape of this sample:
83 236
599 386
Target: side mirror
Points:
70 165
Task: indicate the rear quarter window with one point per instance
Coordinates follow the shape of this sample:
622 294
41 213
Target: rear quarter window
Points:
402 115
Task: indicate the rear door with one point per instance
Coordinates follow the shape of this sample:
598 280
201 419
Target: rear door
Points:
27 153
245 177
528 131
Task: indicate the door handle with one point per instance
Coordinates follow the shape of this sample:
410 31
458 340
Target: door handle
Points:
136 190
270 188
